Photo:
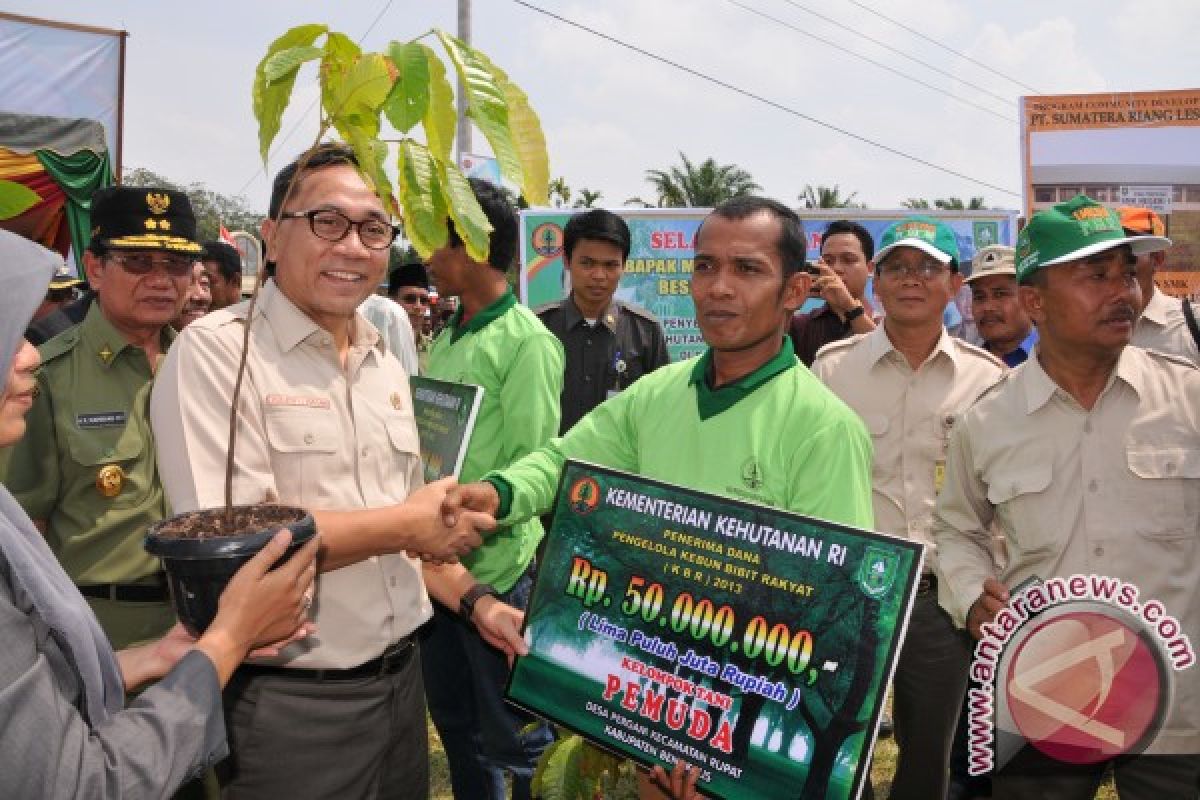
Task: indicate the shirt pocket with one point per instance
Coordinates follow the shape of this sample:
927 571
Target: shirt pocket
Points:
108 457
885 463
1164 488
303 443
1027 511
405 449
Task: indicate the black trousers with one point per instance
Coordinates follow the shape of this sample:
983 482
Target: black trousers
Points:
354 740
1033 776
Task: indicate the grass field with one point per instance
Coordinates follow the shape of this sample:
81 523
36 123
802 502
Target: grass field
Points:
881 770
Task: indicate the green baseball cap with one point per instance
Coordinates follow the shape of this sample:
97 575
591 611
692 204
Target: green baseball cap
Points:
1075 229
927 234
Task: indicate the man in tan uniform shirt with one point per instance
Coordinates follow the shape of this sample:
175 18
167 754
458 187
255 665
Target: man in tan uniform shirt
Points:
1087 456
909 379
326 423
1162 325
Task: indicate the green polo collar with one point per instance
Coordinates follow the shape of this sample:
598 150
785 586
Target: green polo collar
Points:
711 402
484 318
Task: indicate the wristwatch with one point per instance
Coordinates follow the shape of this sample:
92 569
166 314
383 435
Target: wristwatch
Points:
466 605
854 313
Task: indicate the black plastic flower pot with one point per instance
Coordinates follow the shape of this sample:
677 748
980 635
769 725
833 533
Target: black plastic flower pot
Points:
200 552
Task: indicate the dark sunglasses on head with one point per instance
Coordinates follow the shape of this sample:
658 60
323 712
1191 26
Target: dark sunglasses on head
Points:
144 263
423 299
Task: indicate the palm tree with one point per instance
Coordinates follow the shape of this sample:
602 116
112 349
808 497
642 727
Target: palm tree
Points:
560 192
956 204
708 184
587 198
824 197
916 203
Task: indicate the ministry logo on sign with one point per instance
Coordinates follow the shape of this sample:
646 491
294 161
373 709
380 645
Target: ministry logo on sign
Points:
1078 668
584 495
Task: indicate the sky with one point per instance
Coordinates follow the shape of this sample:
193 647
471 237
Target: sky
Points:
610 114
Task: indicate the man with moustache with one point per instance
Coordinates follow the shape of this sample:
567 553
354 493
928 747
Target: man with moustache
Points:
1007 331
197 299
86 471
847 252
1087 458
223 264
909 379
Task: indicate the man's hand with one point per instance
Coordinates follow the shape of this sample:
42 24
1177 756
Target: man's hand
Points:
833 290
439 541
480 497
499 624
680 784
985 608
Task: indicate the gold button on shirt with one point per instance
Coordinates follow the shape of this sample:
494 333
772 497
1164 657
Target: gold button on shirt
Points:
1114 491
909 414
310 434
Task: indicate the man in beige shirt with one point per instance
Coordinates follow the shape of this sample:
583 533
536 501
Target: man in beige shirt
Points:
1087 456
325 422
1163 325
908 379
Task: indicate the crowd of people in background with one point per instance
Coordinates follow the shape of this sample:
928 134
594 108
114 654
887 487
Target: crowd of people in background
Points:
1057 431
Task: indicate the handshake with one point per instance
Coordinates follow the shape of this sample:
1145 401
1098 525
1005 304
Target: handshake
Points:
453 518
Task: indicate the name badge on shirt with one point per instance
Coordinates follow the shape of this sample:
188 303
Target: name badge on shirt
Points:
296 401
939 475
101 419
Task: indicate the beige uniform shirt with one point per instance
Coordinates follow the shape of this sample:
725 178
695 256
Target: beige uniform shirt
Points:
310 434
1162 327
1114 491
909 415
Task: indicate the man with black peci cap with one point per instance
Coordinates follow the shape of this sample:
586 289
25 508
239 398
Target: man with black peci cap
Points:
86 471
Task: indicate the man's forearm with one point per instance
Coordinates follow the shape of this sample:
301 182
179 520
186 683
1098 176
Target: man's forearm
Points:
348 537
447 583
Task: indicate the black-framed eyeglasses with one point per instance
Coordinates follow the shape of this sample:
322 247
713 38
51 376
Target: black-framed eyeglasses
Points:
927 270
423 299
333 226
144 263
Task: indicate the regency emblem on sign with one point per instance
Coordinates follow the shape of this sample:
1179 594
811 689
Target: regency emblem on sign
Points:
878 571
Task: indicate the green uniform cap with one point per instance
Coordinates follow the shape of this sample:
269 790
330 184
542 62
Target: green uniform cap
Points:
1075 229
928 234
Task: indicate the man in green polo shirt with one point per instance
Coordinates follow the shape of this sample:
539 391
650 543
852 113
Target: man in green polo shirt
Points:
492 342
743 420
86 471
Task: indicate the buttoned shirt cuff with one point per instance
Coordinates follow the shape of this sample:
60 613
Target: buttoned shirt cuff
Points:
505 491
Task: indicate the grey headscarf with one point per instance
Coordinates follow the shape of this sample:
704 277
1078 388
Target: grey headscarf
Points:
38 579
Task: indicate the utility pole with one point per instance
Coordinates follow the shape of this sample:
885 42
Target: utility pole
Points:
464 124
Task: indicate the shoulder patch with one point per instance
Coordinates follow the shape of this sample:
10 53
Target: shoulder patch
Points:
1171 358
638 311
60 345
980 352
830 348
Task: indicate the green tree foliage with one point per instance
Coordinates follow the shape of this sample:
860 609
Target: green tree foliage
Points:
587 198
407 87
826 197
692 186
560 192
946 204
212 209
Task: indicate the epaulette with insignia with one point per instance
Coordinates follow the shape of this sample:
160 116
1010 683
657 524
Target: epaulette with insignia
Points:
976 350
548 307
638 311
60 345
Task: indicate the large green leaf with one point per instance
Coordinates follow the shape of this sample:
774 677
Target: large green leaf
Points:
372 156
341 53
560 773
16 199
359 95
422 198
526 131
271 97
441 117
470 222
486 104
409 99
286 61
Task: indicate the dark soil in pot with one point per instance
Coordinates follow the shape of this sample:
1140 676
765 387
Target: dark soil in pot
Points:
200 552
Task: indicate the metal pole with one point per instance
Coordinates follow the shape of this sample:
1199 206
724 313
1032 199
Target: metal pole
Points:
464 124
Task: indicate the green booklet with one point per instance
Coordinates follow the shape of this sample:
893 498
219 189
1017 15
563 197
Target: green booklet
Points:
753 643
445 414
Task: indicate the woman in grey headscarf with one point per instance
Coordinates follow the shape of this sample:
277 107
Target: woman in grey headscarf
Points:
63 731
